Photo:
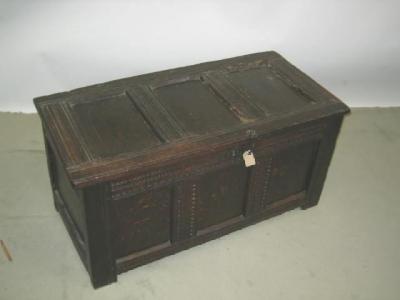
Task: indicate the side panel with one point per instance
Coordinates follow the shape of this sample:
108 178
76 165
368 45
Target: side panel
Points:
68 202
72 199
322 161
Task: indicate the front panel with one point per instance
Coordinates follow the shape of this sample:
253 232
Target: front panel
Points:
289 171
141 221
211 196
281 176
221 196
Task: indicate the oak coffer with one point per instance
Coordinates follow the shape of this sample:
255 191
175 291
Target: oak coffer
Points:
149 165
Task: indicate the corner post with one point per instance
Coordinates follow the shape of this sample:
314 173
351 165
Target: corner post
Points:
101 263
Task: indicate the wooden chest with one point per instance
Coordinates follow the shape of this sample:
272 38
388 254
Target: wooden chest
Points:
150 165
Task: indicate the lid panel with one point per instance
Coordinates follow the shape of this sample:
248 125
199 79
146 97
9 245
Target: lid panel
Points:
268 91
196 107
112 126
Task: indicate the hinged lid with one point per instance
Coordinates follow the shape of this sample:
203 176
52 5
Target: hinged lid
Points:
105 131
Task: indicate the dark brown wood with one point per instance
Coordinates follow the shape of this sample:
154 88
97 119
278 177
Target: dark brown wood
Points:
101 262
322 161
150 165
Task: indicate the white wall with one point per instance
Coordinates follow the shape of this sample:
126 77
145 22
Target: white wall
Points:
351 47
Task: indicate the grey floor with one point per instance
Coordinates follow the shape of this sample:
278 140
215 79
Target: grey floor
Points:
348 247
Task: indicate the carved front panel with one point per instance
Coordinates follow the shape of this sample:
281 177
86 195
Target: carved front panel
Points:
212 199
221 196
288 172
168 206
281 174
141 222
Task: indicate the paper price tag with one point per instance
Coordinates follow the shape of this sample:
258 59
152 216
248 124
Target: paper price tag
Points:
249 159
